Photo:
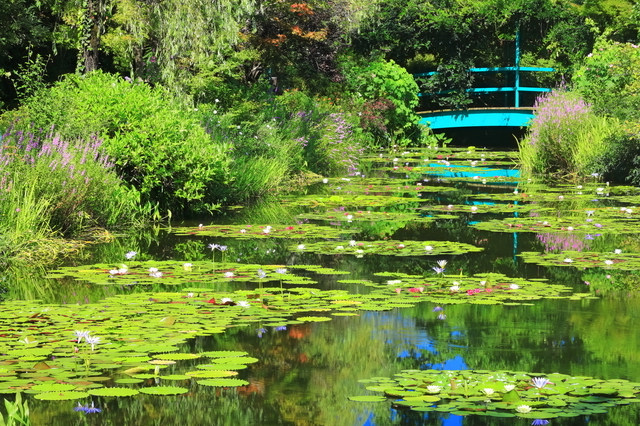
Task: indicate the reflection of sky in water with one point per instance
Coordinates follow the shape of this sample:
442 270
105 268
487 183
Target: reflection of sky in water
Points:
480 172
420 341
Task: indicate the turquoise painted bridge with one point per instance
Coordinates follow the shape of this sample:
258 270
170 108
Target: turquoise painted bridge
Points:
477 117
515 116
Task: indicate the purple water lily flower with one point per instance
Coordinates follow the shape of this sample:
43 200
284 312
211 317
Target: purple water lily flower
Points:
539 422
261 331
540 382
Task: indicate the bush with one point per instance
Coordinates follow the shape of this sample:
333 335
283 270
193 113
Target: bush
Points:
610 79
566 137
620 162
157 144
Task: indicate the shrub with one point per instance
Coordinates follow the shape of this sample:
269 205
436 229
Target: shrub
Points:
157 144
610 79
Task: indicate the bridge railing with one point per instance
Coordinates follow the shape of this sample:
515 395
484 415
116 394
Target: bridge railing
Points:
515 88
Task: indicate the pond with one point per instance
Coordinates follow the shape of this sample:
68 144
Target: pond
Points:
435 284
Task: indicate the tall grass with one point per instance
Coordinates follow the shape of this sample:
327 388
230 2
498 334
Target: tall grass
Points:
566 138
50 186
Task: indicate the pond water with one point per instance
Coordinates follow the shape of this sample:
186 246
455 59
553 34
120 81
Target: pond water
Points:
384 302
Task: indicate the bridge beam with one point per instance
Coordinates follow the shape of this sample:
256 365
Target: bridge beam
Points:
493 117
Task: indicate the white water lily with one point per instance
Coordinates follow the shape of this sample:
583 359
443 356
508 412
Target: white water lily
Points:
454 288
514 286
243 303
393 282
352 243
617 251
434 389
428 248
153 269
523 409
608 262
228 274
340 248
488 391
567 260
325 180
441 263
509 388
187 266
301 247
225 300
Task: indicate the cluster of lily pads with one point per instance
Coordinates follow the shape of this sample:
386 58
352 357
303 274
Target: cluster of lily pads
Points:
500 393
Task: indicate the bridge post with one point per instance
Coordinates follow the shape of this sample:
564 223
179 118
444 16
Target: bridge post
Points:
517 71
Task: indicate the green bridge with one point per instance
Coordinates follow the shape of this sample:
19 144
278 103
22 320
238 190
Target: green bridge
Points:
516 116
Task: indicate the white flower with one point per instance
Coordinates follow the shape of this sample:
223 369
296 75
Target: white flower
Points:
153 269
243 303
400 245
567 260
560 197
187 266
352 243
454 288
523 409
428 248
225 300
393 282
483 283
228 274
156 274
266 230
514 286
243 231
113 272
340 248
450 206
608 262
122 271
569 228
190 294
488 391
349 217
92 340
509 388
434 389
359 251
474 208
442 263
579 186
301 247
617 251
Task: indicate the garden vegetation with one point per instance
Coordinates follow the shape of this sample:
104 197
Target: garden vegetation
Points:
116 112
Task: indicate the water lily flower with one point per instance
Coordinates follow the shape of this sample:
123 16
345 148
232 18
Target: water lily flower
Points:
153 269
113 272
156 274
488 391
200 226
590 213
301 247
352 243
130 255
415 290
393 282
450 206
442 317
359 251
340 248
261 274
281 271
567 260
539 422
325 180
213 246
187 266
523 409
92 340
437 309
428 248
266 230
509 388
228 274
608 262
434 389
190 295
122 271
569 228
243 231
474 208
442 263
261 331
438 270
88 409
514 286
243 303
628 211
454 288
398 290
280 328
225 300
80 334
349 217
617 251
400 245
540 382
